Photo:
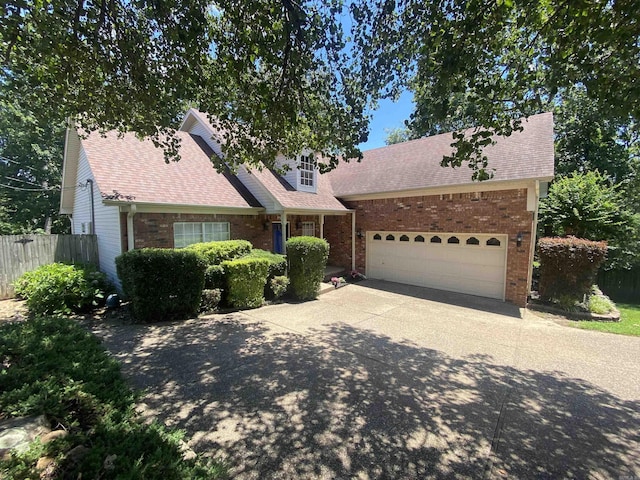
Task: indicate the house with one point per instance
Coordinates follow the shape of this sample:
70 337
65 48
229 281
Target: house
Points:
397 215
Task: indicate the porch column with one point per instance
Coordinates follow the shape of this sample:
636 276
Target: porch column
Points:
131 241
321 221
283 223
353 240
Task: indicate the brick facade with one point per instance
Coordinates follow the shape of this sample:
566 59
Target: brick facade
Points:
498 212
156 229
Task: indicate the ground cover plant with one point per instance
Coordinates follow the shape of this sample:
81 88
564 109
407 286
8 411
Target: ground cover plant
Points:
52 366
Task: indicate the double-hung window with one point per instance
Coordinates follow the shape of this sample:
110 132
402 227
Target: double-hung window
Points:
309 229
186 233
307 171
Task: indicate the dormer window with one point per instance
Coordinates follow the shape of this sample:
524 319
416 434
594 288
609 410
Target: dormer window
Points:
307 169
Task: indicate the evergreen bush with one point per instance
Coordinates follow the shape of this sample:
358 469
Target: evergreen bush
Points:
307 259
245 281
162 282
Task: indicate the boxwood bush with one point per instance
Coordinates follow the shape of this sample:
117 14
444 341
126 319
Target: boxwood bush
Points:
245 281
568 267
60 288
214 277
218 252
277 268
307 259
161 282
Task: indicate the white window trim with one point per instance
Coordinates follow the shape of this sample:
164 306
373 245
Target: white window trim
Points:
306 226
203 235
309 159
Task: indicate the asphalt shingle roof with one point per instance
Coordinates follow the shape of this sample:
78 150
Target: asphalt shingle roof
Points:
136 170
416 164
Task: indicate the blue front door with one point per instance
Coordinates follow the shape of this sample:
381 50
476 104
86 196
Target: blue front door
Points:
277 237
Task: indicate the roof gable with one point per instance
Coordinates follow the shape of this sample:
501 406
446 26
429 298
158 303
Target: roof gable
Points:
129 169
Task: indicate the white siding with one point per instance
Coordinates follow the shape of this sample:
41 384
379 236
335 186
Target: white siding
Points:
107 219
290 176
256 189
201 130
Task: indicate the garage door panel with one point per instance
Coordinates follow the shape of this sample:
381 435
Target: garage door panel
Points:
474 269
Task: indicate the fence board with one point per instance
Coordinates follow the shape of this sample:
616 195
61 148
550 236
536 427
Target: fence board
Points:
21 253
621 285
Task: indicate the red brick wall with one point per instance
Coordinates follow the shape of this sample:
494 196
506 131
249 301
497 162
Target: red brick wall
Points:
156 229
500 212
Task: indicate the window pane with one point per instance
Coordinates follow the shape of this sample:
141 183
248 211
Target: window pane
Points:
309 229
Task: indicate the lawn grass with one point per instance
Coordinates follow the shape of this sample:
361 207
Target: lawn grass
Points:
629 323
52 366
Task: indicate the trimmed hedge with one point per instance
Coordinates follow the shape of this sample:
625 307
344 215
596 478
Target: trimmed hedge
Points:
568 266
162 282
307 258
214 277
277 268
246 278
61 288
217 252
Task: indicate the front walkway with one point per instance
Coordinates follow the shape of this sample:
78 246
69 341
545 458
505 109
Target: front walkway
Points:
377 380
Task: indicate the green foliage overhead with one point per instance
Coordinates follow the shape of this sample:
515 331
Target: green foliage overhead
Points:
472 63
303 76
162 283
60 288
397 135
307 258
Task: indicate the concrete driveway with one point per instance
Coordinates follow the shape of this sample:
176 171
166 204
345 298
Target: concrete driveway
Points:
379 380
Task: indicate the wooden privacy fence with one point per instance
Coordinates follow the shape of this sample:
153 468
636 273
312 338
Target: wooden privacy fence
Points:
21 253
621 285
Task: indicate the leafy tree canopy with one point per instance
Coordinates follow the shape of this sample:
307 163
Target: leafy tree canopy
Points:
30 170
302 74
587 205
397 135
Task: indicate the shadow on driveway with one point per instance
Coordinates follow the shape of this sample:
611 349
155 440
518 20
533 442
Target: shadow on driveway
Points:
276 404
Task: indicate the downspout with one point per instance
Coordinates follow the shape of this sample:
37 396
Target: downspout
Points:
93 210
131 244
353 240
534 235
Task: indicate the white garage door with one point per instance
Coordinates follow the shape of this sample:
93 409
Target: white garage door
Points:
464 263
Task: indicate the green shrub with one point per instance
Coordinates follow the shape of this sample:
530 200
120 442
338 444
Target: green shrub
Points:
246 278
279 285
60 288
217 252
600 304
214 277
162 282
277 267
56 368
210 300
307 258
568 267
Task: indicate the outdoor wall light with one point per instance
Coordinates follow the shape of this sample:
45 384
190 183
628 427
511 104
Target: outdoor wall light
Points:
519 239
359 233
298 225
265 226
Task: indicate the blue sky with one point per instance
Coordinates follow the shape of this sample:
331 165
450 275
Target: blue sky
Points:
388 115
